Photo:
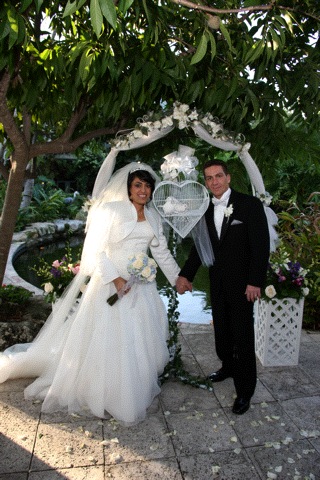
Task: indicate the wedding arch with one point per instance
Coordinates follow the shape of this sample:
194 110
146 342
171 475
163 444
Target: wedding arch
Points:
153 126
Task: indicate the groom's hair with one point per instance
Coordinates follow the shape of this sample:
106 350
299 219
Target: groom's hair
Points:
211 163
143 175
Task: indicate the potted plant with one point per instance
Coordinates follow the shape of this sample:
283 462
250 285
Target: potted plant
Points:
278 314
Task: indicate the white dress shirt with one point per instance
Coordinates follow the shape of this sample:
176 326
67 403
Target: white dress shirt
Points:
220 205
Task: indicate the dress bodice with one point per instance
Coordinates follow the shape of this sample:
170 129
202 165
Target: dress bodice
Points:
138 241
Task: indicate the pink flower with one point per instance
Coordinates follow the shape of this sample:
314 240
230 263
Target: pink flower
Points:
56 264
75 269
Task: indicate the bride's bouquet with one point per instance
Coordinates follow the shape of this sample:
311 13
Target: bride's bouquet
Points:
142 269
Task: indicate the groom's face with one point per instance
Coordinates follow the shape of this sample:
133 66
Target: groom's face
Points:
216 180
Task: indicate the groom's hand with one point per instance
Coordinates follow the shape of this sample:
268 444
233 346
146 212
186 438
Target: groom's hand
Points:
183 285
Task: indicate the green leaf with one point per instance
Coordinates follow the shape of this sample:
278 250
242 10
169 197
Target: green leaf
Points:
21 29
233 87
288 18
276 42
24 5
13 21
201 50
4 29
125 92
196 91
38 5
109 12
255 52
213 45
136 82
96 16
146 10
124 5
255 103
226 35
85 63
244 113
72 7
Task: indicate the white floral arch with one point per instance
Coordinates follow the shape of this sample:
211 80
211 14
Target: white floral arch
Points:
152 127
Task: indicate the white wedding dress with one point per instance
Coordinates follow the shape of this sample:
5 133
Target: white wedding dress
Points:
101 359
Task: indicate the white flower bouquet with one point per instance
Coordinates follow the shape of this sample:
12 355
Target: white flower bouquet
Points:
142 269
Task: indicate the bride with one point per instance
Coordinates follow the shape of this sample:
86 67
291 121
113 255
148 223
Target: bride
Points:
95 358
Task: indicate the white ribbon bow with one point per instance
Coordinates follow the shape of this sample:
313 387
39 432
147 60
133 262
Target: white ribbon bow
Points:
219 201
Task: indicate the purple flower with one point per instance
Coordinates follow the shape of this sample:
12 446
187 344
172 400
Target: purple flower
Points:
294 268
56 273
298 281
281 278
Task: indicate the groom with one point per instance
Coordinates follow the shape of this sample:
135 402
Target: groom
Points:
239 235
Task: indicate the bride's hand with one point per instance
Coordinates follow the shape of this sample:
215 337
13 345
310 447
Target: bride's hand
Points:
120 283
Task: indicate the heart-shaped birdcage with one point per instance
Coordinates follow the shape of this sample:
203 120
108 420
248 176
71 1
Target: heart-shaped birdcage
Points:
181 204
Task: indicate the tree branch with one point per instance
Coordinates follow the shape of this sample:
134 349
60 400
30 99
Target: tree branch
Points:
78 114
27 125
7 118
67 146
255 8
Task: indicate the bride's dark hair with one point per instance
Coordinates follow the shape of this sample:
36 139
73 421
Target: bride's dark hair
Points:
144 176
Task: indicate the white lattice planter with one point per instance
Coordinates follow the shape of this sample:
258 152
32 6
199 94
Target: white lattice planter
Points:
278 330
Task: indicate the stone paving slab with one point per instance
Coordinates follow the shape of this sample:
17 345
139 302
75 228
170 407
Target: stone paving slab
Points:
68 445
152 470
221 465
304 412
265 423
289 382
178 397
201 432
298 461
147 441
79 473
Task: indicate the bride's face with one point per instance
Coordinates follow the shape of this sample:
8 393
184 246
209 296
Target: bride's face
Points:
140 191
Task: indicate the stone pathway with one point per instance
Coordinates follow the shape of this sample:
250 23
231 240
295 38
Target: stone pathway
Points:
189 433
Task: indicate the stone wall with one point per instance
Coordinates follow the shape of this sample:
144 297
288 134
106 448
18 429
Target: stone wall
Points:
38 234
24 326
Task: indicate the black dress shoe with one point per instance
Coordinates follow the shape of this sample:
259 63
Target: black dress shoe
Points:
241 405
219 375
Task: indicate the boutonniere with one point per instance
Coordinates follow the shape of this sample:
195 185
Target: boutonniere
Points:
228 211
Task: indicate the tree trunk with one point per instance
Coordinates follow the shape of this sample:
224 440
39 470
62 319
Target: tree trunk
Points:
27 193
11 206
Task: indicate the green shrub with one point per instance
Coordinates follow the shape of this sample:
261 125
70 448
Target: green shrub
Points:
49 203
14 294
299 230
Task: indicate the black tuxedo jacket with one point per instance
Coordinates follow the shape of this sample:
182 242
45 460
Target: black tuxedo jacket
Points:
241 253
